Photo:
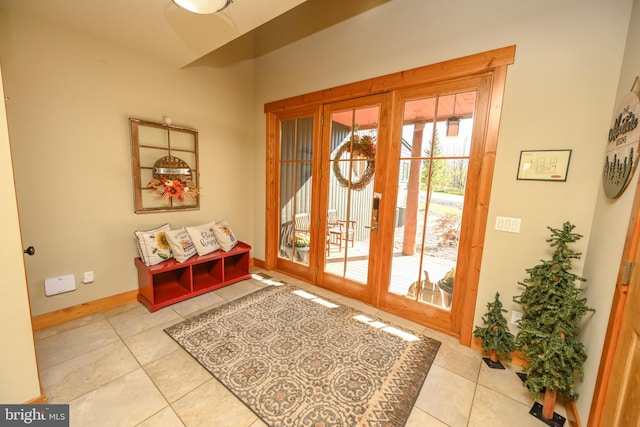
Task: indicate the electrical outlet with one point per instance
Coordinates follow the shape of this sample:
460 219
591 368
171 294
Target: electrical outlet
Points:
88 277
515 317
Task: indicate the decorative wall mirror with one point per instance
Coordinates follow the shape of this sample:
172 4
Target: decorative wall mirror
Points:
165 167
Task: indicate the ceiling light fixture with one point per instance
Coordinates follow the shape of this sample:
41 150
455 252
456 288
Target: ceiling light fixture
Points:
203 7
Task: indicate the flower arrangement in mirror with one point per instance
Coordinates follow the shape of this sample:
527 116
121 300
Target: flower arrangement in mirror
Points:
173 189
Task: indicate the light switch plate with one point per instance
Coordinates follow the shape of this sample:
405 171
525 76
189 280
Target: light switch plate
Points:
510 225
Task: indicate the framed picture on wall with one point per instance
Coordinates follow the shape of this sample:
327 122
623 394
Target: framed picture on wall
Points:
544 165
165 167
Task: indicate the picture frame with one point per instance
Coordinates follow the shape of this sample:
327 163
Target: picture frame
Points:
165 167
544 165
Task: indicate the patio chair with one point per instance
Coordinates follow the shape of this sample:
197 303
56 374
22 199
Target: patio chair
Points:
340 230
286 239
303 226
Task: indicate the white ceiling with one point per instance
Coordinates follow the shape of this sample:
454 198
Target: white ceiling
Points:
155 28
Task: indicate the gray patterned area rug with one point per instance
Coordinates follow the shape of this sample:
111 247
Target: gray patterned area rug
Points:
299 360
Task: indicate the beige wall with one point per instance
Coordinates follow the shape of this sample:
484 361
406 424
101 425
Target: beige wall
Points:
70 98
610 223
18 368
560 95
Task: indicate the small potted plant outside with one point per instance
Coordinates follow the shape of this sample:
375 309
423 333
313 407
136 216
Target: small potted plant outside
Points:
497 341
549 329
446 287
301 240
301 246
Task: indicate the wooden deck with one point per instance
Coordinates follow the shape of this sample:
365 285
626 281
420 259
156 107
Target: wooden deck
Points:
406 271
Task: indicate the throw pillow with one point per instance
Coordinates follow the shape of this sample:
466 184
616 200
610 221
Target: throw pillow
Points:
203 238
224 235
181 244
153 246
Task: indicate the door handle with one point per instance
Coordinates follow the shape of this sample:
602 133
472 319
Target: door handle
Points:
374 212
30 250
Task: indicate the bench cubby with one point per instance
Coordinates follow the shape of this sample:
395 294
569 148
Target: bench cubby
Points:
170 281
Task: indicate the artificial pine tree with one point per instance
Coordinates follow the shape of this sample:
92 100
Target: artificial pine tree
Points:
496 338
548 330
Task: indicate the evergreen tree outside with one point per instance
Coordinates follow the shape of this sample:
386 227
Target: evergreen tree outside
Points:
552 311
439 176
495 335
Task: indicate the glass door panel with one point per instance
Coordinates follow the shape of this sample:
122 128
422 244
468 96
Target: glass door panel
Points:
352 143
434 159
296 149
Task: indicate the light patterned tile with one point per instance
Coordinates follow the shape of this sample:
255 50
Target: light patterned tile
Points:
165 418
121 309
177 374
190 306
461 360
505 381
196 408
446 396
237 290
73 343
140 319
75 377
127 401
419 418
151 344
67 326
496 410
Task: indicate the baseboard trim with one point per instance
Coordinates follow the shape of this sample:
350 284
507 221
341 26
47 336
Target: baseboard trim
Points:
71 313
40 400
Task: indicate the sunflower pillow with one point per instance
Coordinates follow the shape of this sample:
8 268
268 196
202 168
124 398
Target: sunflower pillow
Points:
153 245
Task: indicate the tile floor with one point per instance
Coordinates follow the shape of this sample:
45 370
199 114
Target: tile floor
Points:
119 368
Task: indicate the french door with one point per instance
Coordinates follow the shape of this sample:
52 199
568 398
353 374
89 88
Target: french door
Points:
352 137
379 190
438 145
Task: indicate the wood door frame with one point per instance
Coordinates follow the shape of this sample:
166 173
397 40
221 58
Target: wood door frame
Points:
272 189
349 288
618 304
493 62
474 218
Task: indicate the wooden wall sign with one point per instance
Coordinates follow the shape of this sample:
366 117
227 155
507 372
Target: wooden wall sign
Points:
621 157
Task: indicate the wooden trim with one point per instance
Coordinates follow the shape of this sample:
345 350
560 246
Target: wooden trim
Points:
573 417
271 192
442 71
258 263
40 400
483 197
71 313
615 316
